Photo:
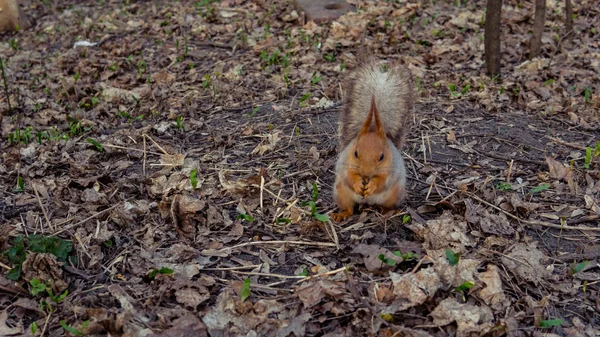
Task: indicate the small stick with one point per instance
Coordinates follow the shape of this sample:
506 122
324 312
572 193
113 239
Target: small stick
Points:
255 243
262 188
421 262
267 274
37 195
46 324
232 268
5 266
509 170
333 272
562 142
424 149
429 144
158 146
144 161
127 148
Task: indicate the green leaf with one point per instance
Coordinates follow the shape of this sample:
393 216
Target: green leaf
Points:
304 272
283 220
246 217
465 286
152 274
540 188
588 157
59 298
71 329
33 327
165 271
37 286
452 257
406 219
597 150
387 317
20 184
245 290
315 191
550 323
579 267
385 260
313 207
321 217
466 89
14 273
193 178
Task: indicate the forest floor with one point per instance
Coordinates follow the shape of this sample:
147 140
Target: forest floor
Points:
173 176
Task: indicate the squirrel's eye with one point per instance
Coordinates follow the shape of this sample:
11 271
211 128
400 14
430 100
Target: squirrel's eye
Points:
356 153
381 157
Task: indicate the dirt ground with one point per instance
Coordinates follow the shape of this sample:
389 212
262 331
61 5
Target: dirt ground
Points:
167 170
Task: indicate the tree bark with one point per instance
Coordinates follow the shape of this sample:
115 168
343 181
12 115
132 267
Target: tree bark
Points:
493 54
12 17
538 28
569 28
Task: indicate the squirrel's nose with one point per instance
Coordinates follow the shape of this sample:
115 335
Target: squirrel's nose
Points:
365 180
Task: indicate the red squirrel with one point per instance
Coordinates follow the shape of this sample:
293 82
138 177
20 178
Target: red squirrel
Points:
373 126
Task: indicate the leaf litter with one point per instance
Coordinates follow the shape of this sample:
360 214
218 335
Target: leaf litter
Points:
210 123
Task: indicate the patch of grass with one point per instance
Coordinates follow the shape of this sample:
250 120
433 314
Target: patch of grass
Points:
406 256
275 58
179 123
329 57
454 90
503 186
315 79
22 245
303 99
21 135
20 184
313 205
206 81
163 271
71 329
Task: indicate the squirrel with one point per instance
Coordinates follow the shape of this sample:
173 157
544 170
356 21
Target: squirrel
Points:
373 126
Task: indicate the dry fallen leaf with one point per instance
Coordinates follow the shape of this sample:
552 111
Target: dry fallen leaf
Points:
526 263
492 294
269 144
414 289
470 319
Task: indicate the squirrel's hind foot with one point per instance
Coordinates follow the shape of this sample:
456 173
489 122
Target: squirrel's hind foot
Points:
341 216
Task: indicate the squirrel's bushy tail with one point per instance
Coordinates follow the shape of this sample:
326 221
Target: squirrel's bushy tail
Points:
392 86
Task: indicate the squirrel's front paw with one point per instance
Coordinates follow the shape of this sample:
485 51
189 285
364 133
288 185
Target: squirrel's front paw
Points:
358 188
370 188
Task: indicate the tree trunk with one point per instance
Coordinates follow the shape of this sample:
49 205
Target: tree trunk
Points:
493 54
538 28
569 29
11 16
